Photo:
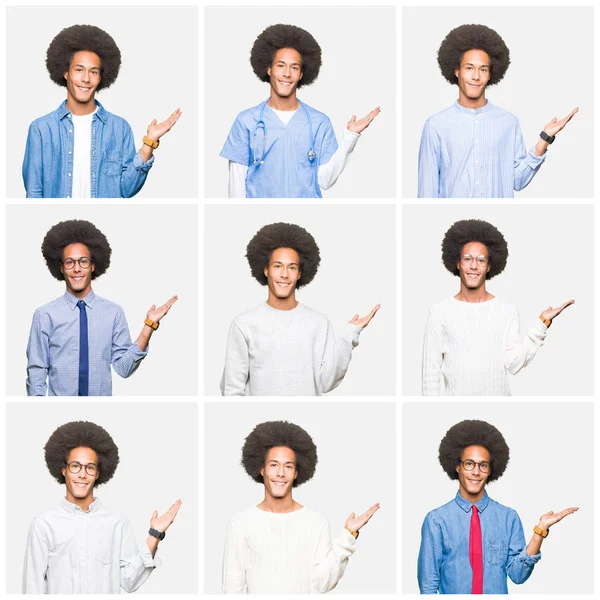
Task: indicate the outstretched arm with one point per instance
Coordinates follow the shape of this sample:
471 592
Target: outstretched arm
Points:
154 314
338 351
359 125
551 129
161 524
156 131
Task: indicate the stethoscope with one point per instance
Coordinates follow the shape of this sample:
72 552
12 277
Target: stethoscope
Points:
260 124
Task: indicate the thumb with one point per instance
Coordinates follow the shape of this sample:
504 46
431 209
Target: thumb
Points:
153 307
154 514
352 118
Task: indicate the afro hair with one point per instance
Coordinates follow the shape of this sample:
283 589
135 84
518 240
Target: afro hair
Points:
474 230
279 433
77 434
76 232
473 37
83 37
473 433
274 38
283 235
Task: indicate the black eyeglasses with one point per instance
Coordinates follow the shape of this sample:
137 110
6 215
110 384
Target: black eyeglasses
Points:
469 465
75 467
84 262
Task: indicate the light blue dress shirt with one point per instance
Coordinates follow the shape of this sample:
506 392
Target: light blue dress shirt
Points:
284 169
474 153
116 170
53 348
444 565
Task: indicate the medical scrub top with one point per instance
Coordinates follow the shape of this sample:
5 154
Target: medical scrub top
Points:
286 170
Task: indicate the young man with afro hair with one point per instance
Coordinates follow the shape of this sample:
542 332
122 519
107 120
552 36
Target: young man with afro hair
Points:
471 544
284 148
80 150
472 339
280 546
74 339
282 347
80 547
475 149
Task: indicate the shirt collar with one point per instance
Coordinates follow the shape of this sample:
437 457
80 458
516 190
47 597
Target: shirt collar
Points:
473 111
73 508
466 505
63 111
72 301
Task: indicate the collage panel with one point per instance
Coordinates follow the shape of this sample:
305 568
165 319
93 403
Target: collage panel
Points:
505 326
332 530
524 466
106 262
132 99
266 335
302 93
514 99
104 497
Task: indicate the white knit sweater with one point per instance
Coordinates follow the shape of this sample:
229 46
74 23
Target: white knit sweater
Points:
294 352
473 346
283 553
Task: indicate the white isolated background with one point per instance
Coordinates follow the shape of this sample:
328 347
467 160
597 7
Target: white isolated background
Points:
154 256
357 271
158 463
159 73
356 444
358 73
551 260
551 467
551 72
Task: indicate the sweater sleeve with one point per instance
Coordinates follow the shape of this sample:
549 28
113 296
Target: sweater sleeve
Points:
234 561
520 353
431 370
332 558
36 560
237 363
336 356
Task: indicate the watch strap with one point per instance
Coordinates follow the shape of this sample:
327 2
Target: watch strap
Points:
543 532
154 143
150 323
354 534
546 137
157 534
546 322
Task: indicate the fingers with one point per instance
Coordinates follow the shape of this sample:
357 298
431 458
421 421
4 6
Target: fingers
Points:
374 311
373 113
353 119
567 303
170 302
175 508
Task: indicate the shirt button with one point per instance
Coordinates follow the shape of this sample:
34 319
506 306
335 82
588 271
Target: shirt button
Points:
93 153
70 152
93 174
69 174
70 131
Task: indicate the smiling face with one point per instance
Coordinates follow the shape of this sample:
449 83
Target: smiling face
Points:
473 76
279 472
78 279
80 486
285 72
283 273
473 266
472 483
83 77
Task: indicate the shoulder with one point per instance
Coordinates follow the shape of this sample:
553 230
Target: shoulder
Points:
498 508
440 117
310 314
251 315
316 115
242 518
107 304
49 307
439 514
315 518
505 307
501 113
442 308
249 115
116 119
45 119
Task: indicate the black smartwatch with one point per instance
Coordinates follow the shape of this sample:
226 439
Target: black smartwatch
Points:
546 137
157 534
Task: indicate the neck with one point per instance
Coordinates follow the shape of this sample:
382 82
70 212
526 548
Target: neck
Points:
83 503
279 505
280 103
472 498
475 295
80 109
467 102
288 303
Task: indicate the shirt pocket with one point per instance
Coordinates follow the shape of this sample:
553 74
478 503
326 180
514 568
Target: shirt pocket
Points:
496 552
103 552
112 164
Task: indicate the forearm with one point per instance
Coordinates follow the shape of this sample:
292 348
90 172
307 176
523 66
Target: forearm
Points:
541 147
330 568
152 543
337 356
144 337
520 354
332 169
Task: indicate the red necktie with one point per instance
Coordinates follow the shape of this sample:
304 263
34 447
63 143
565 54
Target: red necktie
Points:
476 552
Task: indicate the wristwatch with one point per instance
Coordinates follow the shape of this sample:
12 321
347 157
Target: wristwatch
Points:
153 324
546 137
543 532
154 143
354 534
157 534
546 322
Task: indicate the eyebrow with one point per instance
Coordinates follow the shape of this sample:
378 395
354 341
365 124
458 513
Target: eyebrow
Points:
474 65
280 262
287 462
84 66
291 63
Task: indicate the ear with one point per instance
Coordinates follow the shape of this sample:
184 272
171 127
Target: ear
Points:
65 74
296 475
64 471
266 271
489 267
456 71
457 467
301 74
93 267
269 71
262 472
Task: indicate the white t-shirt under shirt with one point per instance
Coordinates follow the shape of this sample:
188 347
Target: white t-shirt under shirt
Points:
283 553
82 138
473 346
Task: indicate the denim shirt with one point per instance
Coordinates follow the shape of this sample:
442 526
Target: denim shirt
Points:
444 564
116 170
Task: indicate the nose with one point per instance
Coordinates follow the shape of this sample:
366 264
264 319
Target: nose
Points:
77 266
86 75
476 467
475 74
284 273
